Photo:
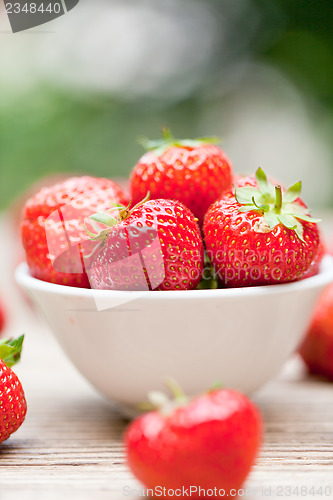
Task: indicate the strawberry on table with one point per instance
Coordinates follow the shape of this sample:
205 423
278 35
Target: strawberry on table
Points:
317 347
13 406
53 233
194 172
156 245
208 442
260 234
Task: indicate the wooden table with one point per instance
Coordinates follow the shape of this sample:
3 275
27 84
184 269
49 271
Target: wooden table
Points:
70 446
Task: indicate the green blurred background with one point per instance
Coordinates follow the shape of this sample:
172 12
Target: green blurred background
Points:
77 93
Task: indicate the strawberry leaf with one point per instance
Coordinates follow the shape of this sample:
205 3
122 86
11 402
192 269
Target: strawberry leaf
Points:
245 195
276 206
10 350
104 218
288 221
159 146
262 182
293 192
299 230
271 219
307 218
246 208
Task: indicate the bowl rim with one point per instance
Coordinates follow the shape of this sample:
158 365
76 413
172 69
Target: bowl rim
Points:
322 279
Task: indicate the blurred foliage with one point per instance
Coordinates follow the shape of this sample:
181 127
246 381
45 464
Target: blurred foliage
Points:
54 130
304 46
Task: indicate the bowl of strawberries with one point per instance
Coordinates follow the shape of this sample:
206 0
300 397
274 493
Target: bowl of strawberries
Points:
201 277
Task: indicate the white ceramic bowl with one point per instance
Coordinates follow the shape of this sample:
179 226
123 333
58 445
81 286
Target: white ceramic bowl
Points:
128 343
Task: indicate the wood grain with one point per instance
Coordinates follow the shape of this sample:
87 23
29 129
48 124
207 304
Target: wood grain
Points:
70 446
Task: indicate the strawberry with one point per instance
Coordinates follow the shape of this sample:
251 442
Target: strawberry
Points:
317 347
53 233
2 317
13 406
154 246
194 172
260 234
315 266
209 442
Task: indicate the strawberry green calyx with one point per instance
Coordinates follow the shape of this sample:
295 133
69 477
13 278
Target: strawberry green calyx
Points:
112 217
10 350
276 206
158 400
161 145
216 387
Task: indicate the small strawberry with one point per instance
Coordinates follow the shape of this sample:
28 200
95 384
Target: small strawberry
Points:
209 442
317 347
2 317
53 233
13 406
154 246
259 234
194 172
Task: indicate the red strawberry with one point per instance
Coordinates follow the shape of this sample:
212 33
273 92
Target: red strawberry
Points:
154 246
53 232
2 317
194 172
13 406
315 266
261 234
317 348
209 442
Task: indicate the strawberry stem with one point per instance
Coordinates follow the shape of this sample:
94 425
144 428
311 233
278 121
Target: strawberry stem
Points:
278 202
166 133
160 401
175 389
